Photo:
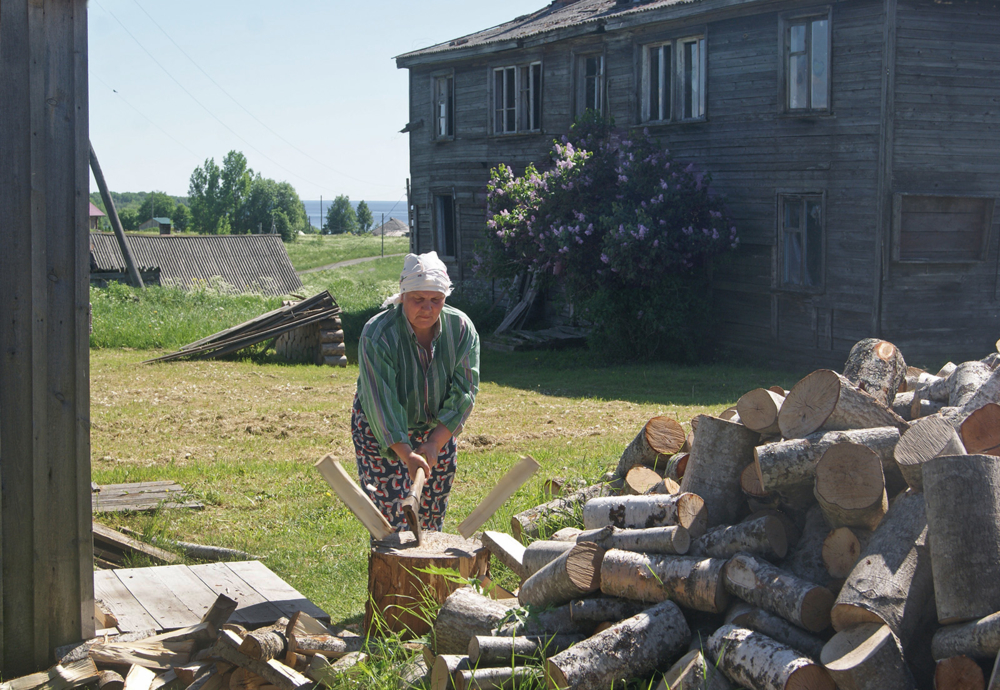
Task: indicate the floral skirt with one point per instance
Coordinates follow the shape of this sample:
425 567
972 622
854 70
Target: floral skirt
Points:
387 482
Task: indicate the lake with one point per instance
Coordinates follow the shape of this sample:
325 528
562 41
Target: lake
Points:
391 209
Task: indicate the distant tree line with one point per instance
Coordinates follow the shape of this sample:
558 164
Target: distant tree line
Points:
135 208
342 218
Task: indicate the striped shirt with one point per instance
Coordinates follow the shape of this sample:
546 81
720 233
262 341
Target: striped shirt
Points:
402 388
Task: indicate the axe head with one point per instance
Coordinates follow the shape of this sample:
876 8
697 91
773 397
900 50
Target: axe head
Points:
410 510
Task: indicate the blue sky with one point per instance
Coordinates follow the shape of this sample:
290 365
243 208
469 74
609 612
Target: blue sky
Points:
314 96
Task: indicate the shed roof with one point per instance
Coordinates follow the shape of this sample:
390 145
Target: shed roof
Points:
393 227
96 212
250 263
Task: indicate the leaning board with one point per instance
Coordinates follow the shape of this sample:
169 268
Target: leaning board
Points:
174 596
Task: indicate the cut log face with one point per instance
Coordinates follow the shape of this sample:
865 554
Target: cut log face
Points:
777 628
462 616
721 450
694 583
959 672
989 392
574 574
803 603
877 368
826 400
642 480
850 487
759 410
640 512
661 436
676 466
842 548
927 438
444 666
653 638
754 660
981 431
867 657
963 502
979 639
763 536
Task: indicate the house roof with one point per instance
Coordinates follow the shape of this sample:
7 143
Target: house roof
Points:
558 15
250 263
96 212
393 227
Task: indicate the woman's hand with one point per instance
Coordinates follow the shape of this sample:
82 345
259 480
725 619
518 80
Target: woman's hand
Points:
435 441
412 459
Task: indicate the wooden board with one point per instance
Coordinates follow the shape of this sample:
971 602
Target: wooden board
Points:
142 496
175 596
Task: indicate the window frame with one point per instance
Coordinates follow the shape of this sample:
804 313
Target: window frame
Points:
525 108
785 24
437 230
436 79
580 105
802 196
989 211
677 92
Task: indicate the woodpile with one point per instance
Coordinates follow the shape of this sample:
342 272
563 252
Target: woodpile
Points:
836 535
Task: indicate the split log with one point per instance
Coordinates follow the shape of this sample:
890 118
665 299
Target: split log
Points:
826 400
462 616
507 550
958 673
928 438
721 450
676 466
777 628
139 678
59 677
515 477
764 536
660 436
539 554
694 672
877 368
850 487
791 465
963 500
694 583
494 678
266 643
892 581
574 574
979 639
153 655
842 548
755 660
639 512
605 609
867 657
276 673
652 637
806 560
759 410
981 431
445 666
354 498
527 525
487 650
243 679
667 540
400 572
803 603
330 646
946 369
110 680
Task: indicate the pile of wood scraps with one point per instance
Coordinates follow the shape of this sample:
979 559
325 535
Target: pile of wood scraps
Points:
141 497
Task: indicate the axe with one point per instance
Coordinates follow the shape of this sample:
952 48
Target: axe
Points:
411 505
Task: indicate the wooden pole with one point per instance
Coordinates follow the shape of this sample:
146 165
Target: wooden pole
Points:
116 224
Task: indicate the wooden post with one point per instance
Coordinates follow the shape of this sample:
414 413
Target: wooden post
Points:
46 553
116 224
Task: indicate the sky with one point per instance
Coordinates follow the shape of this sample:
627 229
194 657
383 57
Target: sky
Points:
307 89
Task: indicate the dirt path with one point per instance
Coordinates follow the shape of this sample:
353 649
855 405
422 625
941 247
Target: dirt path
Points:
349 262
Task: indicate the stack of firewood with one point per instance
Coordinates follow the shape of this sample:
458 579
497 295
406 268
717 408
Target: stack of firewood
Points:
845 533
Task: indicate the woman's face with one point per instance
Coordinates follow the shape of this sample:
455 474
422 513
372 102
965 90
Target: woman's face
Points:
422 308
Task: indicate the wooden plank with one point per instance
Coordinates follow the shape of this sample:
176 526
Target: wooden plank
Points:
131 615
166 484
109 539
285 597
156 597
188 587
253 610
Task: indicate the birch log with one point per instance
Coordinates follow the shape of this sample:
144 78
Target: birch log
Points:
987 393
850 487
462 616
721 450
694 672
892 581
487 650
759 410
877 368
604 609
826 400
902 404
557 620
574 574
963 519
979 639
640 512
965 381
803 603
777 628
981 431
928 438
674 539
958 673
756 661
867 657
444 666
764 536
494 678
695 583
806 559
653 638
539 554
842 548
527 524
659 437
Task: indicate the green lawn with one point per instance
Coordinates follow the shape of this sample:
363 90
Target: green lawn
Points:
312 251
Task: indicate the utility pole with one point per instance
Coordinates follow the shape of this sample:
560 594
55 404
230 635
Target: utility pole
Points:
321 214
383 235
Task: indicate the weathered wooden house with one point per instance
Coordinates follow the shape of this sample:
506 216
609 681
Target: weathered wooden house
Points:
857 142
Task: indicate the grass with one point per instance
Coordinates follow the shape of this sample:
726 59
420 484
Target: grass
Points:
313 251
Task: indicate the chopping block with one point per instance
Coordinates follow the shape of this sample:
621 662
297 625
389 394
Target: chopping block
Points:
397 587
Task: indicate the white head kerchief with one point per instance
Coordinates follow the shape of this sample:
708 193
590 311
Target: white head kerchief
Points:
423 272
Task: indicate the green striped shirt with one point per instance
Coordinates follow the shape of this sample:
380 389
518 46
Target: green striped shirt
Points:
402 388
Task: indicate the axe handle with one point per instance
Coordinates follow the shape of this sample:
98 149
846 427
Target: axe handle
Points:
411 505
417 486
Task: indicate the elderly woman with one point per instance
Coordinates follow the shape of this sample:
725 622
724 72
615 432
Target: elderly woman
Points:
419 375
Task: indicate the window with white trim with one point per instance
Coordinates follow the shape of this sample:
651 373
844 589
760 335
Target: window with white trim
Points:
517 98
807 63
673 80
444 107
590 83
800 233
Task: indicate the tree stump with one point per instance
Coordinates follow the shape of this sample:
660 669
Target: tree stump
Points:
659 437
963 505
721 450
981 431
754 660
928 438
826 400
396 586
759 410
877 368
979 639
850 487
867 657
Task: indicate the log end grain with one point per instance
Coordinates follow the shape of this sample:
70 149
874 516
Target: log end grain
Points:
842 616
981 431
758 410
809 404
583 566
692 514
777 538
816 608
665 435
641 480
960 672
841 550
751 482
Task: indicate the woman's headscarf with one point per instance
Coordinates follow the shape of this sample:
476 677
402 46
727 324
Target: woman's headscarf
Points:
421 272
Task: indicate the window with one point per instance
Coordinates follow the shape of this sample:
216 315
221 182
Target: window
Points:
941 229
807 63
444 107
517 98
674 65
801 240
590 83
444 226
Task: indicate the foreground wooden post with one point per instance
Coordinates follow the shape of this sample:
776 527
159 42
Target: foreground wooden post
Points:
46 554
